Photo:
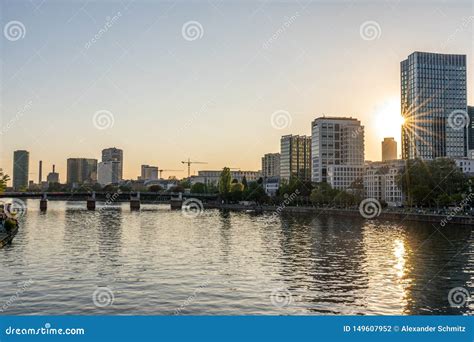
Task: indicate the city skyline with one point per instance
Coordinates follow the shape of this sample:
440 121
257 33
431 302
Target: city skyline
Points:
274 71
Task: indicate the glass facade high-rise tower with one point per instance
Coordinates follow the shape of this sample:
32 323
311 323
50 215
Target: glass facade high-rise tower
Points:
470 130
433 89
21 166
295 157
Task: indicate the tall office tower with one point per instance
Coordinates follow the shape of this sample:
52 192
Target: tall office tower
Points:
295 157
149 172
433 96
389 149
114 155
470 131
107 172
271 165
21 165
81 170
337 141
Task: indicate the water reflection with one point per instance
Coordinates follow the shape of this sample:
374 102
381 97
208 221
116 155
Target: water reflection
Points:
155 258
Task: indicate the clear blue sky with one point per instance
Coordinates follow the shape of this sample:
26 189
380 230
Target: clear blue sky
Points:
212 98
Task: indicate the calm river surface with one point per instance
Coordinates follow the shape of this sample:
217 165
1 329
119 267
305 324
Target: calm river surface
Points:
160 262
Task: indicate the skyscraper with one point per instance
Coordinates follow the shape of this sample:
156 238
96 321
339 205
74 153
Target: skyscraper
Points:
433 93
271 165
21 166
470 130
389 149
114 155
81 170
295 157
338 142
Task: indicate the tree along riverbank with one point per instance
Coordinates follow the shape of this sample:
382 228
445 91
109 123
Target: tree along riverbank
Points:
439 220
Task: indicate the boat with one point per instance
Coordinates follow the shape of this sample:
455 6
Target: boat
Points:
8 230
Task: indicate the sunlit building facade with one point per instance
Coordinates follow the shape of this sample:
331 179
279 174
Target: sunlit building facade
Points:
295 157
433 93
337 151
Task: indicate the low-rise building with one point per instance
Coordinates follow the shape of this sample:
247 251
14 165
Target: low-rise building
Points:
213 176
466 166
343 177
271 185
381 181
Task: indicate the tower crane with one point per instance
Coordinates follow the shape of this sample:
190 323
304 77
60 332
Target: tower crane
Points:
189 162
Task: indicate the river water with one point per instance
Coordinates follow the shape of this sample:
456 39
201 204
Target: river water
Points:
160 262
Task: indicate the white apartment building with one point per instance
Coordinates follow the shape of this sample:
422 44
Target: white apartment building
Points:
213 176
342 177
337 151
381 182
465 165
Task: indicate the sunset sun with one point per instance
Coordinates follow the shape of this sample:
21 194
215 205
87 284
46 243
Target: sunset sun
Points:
388 118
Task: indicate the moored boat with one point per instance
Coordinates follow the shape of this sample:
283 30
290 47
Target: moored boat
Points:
8 229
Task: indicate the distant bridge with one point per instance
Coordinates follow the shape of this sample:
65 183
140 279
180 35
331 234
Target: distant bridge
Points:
161 196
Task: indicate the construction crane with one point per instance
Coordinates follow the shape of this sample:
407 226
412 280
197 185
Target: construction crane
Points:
189 162
160 171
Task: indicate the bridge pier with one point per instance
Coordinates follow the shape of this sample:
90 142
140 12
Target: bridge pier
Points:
135 202
91 202
44 203
176 202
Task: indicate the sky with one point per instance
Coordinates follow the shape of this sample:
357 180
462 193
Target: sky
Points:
215 81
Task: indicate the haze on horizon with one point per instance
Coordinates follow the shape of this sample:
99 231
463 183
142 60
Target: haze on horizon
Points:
212 98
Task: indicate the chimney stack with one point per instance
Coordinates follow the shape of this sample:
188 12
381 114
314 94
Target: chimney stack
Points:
40 177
